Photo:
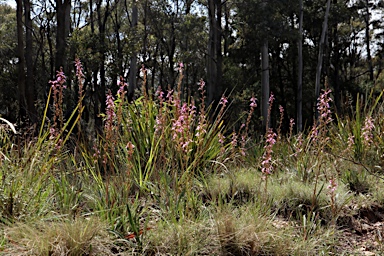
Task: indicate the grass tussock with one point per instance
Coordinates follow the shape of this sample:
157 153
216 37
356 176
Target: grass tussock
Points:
78 237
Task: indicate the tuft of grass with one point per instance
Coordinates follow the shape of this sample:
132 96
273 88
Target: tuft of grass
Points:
60 237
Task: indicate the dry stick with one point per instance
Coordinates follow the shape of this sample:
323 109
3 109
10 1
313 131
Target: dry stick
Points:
357 163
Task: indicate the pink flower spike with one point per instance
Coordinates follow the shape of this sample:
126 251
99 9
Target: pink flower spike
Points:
271 98
223 101
202 85
253 103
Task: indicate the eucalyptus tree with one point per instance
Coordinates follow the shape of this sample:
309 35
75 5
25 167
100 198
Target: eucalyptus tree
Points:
63 25
8 63
267 32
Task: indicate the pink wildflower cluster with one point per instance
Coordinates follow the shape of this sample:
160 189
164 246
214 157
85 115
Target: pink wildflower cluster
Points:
80 77
270 101
181 67
299 145
324 108
291 124
110 116
160 122
351 142
244 136
201 128
332 193
368 130
332 186
234 140
96 154
122 85
281 110
121 96
325 113
181 126
266 164
58 86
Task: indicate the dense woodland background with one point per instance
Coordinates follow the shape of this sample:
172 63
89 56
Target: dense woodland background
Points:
241 48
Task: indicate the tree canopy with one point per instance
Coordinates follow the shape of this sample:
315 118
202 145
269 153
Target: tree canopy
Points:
219 41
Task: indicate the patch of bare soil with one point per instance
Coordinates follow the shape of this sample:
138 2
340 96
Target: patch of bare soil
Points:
363 232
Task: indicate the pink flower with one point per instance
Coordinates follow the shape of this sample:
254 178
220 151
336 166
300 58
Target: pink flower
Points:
351 141
110 112
60 80
121 92
266 164
271 98
253 103
221 138
223 101
202 85
324 108
291 122
332 186
79 68
367 130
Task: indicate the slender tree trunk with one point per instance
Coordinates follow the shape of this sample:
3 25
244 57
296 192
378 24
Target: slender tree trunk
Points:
368 40
101 91
133 61
265 84
321 50
30 83
51 54
300 72
21 63
63 10
214 61
336 64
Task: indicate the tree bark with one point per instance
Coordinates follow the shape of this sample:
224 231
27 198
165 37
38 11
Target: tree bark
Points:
265 84
133 59
300 72
63 10
336 65
321 50
214 61
368 40
21 63
30 82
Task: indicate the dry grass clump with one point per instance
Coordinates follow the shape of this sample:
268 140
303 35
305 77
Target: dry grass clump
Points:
185 237
78 237
246 231
249 231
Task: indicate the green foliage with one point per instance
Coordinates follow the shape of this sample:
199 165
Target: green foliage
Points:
170 138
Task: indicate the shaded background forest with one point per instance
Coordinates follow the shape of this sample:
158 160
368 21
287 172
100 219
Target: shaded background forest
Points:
242 48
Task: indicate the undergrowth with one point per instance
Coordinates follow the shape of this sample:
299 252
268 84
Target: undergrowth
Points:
170 176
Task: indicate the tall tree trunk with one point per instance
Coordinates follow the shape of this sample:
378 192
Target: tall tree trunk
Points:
321 50
214 61
101 92
265 84
336 64
133 60
21 63
300 72
30 82
367 18
63 10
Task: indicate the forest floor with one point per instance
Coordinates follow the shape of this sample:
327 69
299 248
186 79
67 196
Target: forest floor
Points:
363 232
